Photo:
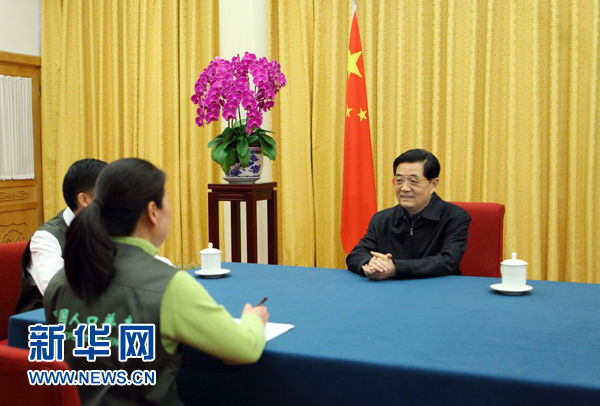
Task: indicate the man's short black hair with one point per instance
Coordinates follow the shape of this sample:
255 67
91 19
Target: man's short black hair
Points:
431 166
81 177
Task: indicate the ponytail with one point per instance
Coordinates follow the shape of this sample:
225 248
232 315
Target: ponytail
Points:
89 254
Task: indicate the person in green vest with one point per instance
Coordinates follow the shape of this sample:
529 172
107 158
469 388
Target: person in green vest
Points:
42 257
111 276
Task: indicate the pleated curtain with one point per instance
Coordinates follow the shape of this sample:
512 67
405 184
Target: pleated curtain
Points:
117 81
505 93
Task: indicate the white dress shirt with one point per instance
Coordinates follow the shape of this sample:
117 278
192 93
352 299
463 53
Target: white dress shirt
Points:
46 254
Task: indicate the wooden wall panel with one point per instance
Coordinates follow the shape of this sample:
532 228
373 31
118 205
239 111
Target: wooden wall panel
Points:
21 200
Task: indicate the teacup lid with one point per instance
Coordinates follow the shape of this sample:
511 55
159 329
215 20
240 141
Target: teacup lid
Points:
514 261
210 250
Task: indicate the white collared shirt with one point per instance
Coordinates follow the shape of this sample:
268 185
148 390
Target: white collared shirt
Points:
46 254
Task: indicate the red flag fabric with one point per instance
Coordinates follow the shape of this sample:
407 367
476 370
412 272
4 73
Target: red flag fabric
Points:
358 195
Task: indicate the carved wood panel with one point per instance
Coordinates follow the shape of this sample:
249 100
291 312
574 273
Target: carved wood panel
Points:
21 200
18 224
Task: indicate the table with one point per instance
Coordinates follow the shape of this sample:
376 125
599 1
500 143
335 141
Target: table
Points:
249 193
436 341
18 334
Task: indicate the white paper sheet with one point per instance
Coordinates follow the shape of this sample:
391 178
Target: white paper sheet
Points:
273 330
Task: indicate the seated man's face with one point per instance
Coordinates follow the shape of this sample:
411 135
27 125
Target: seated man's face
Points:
412 189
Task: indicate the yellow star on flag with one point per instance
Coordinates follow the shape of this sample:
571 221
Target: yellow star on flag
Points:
352 63
362 114
348 110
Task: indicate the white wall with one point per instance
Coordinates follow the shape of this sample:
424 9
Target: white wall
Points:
20 22
237 35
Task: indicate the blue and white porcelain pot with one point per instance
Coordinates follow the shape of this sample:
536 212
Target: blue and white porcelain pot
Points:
246 174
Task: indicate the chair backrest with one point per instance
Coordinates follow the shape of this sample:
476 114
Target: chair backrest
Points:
14 385
484 245
10 281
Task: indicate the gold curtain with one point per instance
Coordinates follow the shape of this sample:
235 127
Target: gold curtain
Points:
505 93
291 34
117 80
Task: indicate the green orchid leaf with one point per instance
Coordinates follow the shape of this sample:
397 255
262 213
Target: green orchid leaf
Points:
227 133
242 148
253 139
215 141
261 131
229 160
220 152
238 131
268 139
224 166
268 149
271 153
213 153
223 150
245 159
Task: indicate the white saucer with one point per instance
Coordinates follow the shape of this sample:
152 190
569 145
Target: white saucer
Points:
241 179
511 290
212 274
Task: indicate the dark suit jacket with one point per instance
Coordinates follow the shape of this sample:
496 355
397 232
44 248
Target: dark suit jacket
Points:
430 243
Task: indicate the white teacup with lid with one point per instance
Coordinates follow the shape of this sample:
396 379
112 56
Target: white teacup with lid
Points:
514 272
210 259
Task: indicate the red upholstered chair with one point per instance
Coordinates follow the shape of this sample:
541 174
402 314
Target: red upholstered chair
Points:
14 384
484 245
10 282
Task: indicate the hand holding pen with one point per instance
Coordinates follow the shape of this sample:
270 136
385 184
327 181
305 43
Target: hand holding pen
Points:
260 310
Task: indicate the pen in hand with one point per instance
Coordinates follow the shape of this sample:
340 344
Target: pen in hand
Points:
263 300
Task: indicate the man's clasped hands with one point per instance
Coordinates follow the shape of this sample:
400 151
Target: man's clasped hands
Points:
380 266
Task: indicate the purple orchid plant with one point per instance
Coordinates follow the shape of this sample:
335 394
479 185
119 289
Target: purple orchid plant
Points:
223 89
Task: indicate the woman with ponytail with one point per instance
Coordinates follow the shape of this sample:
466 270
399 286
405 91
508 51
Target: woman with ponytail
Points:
114 276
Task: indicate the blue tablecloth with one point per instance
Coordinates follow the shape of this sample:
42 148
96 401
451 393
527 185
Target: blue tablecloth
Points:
446 340
17 326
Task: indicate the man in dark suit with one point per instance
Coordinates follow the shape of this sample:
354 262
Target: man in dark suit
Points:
422 236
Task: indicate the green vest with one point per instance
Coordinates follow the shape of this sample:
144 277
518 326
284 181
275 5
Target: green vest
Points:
30 297
133 296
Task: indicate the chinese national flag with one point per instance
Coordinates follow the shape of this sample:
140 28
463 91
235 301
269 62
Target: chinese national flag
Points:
358 195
